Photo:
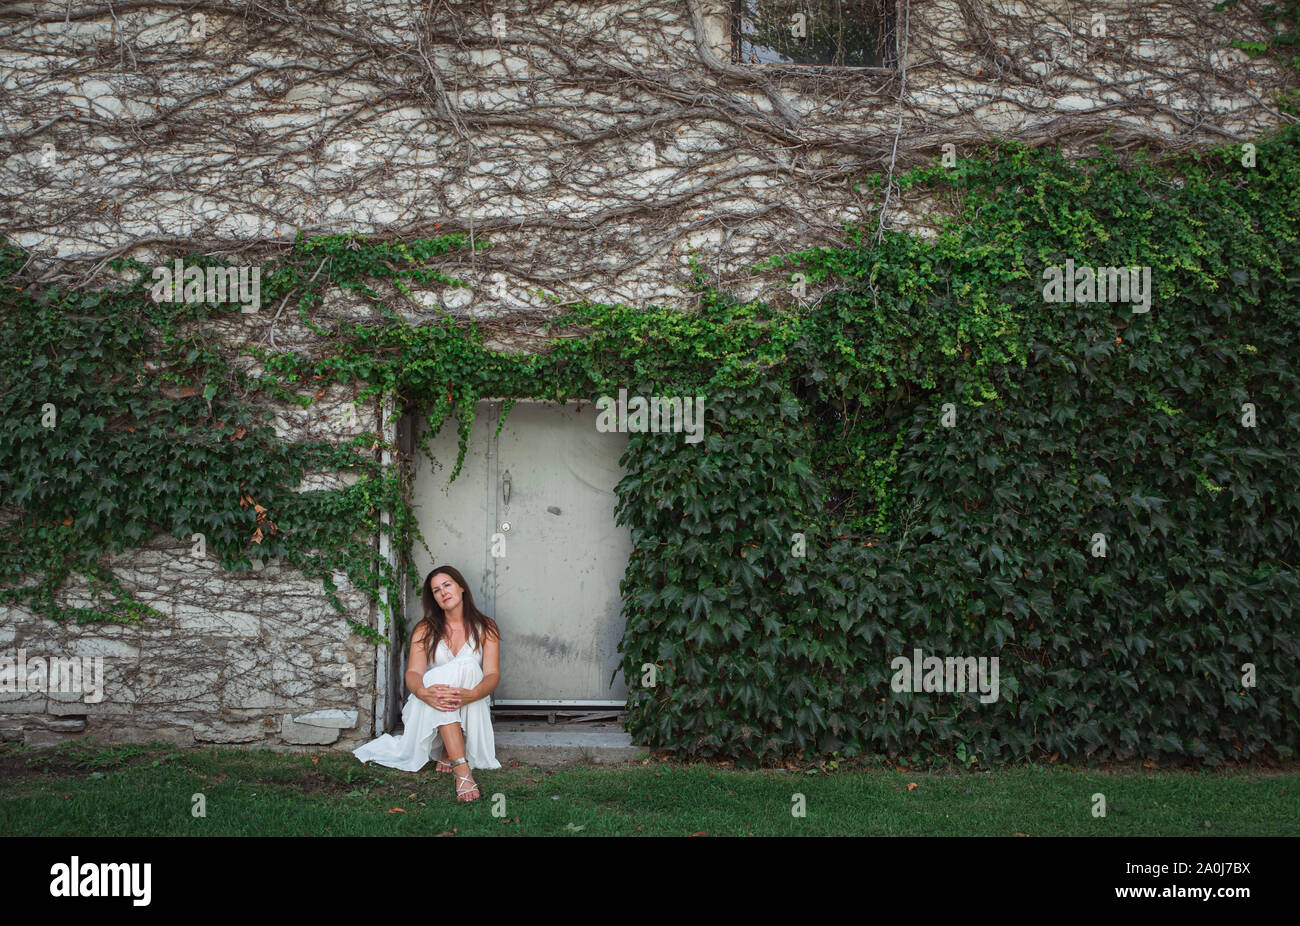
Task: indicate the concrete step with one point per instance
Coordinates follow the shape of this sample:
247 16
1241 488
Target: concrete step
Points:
551 745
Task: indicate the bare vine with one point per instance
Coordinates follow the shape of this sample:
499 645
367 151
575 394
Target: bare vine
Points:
596 145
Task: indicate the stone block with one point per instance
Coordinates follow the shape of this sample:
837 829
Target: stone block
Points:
42 738
113 733
206 622
166 686
218 732
303 734
72 705
337 719
23 702
11 729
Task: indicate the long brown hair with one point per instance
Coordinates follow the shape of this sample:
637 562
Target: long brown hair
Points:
479 624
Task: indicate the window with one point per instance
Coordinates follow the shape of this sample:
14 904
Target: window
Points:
817 33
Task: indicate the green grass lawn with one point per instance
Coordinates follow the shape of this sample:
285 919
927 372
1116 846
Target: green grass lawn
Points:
90 790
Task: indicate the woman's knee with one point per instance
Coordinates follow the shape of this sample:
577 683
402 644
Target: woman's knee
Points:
439 675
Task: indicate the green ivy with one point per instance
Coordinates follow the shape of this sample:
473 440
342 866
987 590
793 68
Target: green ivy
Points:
1284 20
1073 420
829 521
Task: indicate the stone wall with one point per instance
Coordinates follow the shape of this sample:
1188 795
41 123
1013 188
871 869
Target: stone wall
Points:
239 657
251 658
598 146
595 129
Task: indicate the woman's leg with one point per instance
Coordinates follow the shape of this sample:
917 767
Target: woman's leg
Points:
445 674
453 748
457 675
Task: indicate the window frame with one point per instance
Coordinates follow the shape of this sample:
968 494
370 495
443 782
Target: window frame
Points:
888 49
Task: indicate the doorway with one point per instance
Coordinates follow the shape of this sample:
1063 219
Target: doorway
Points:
529 522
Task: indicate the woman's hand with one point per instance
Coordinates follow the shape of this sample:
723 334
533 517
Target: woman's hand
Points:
459 696
444 697
432 698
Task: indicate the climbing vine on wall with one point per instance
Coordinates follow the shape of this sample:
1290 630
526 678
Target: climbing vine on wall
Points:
1071 422
1284 20
824 436
126 419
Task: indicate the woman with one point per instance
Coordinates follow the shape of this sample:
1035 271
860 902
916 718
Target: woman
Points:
454 665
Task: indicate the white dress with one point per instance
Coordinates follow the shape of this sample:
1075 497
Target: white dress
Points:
420 742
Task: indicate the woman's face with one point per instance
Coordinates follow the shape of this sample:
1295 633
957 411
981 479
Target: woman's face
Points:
445 591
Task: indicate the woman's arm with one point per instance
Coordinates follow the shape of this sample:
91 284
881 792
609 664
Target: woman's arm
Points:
491 672
418 663
415 669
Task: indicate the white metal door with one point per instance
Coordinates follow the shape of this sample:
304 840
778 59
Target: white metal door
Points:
545 489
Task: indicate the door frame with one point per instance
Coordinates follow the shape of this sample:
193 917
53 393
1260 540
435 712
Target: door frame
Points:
389 677
391 681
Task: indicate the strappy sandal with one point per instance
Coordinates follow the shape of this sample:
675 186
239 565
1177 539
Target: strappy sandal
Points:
461 790
441 766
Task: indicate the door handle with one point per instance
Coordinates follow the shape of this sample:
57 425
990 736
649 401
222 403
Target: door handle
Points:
505 487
